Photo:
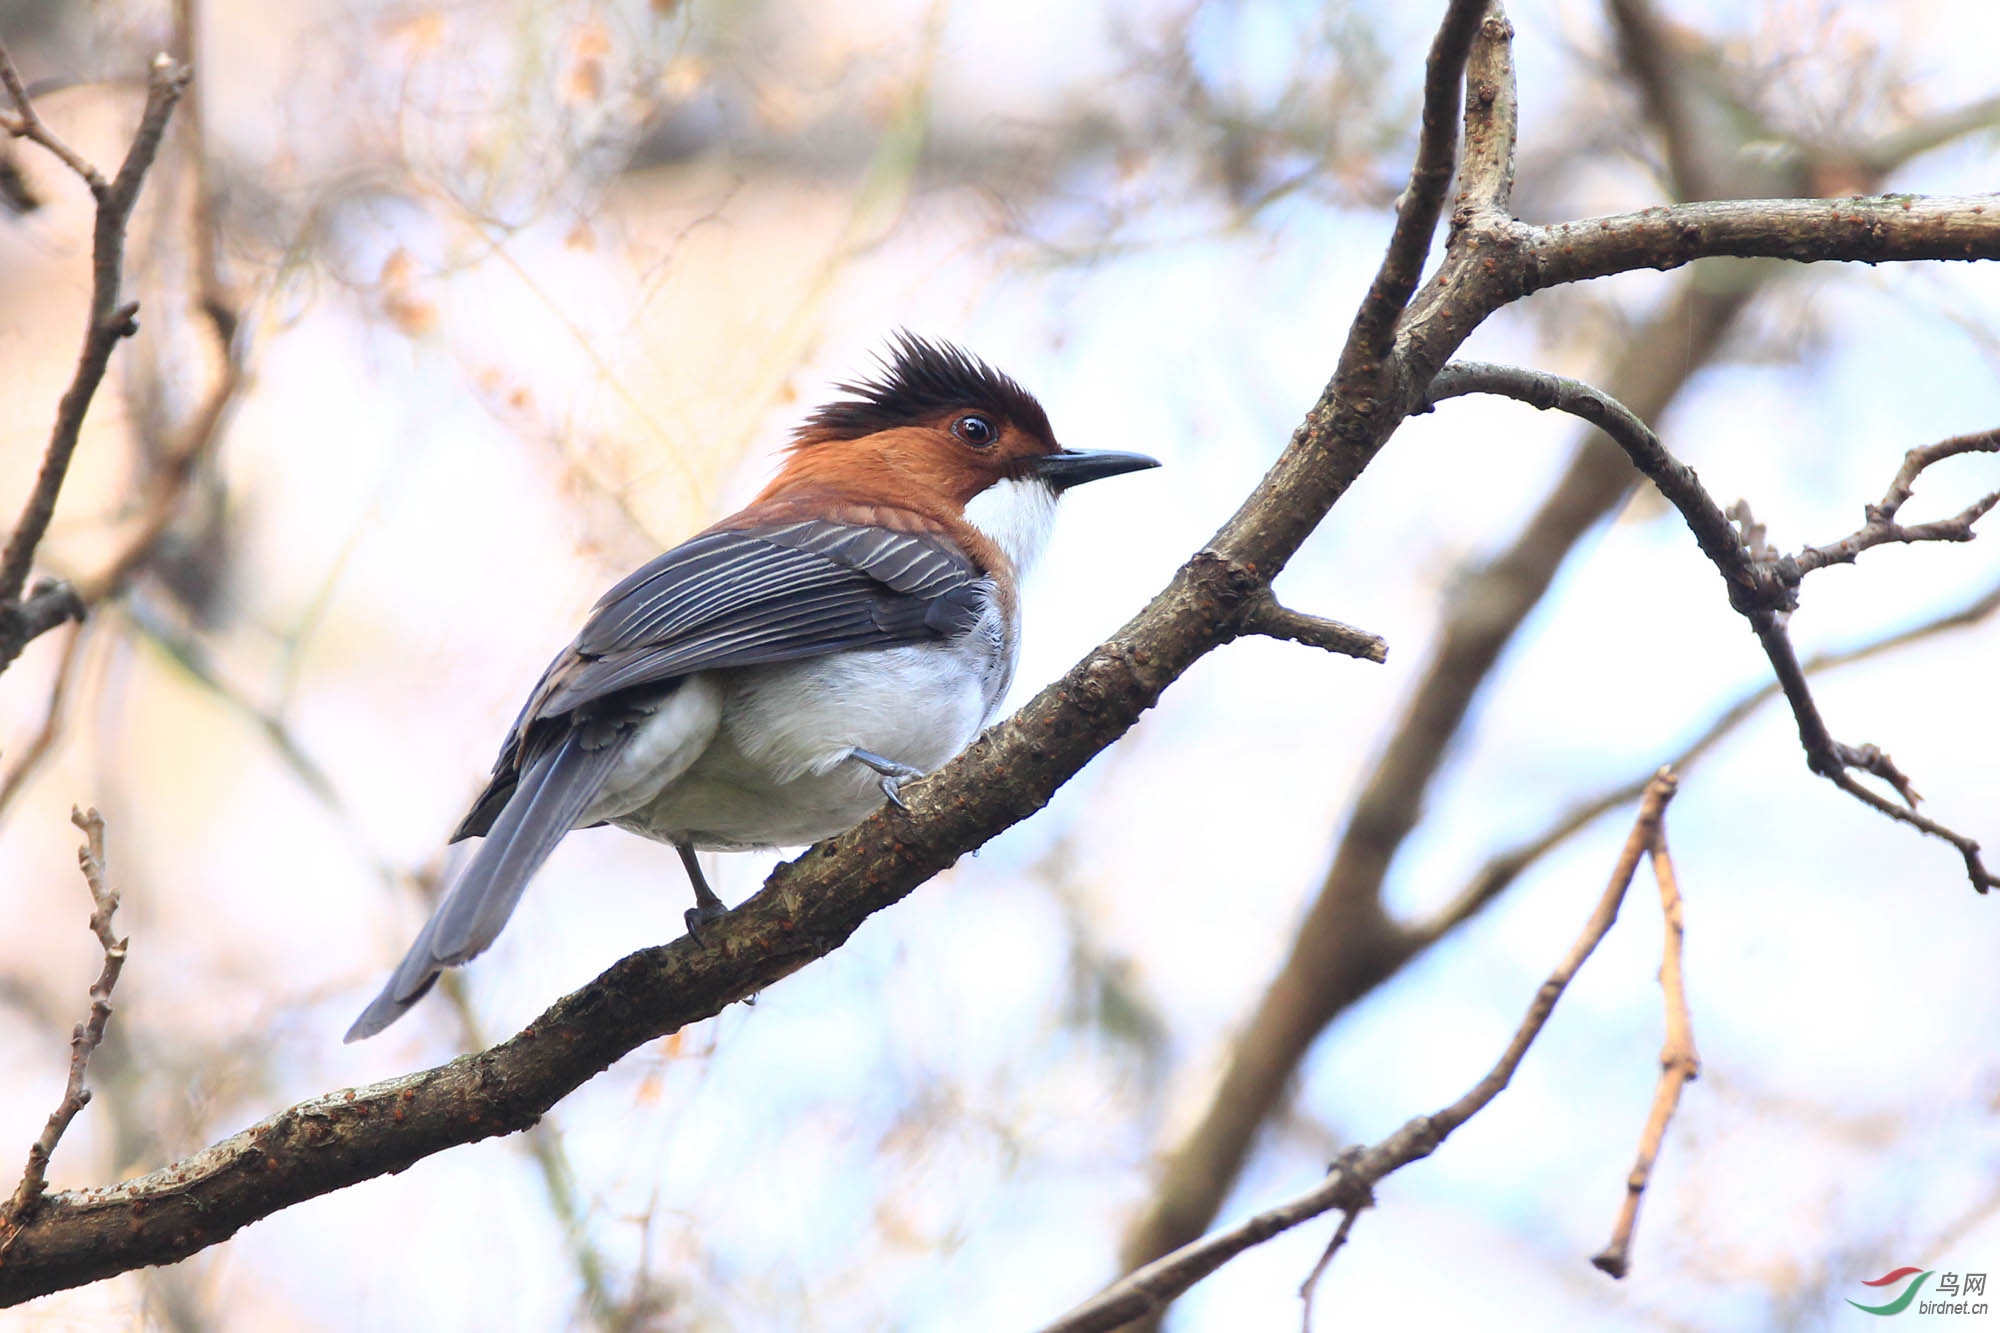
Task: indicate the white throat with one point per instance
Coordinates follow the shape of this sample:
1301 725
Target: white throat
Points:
1015 515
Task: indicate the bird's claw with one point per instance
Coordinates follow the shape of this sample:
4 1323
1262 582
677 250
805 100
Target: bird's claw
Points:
894 774
700 917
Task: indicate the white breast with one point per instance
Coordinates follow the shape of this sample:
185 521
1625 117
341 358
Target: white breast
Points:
778 770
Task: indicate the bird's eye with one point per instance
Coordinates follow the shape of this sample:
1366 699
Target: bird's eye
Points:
975 429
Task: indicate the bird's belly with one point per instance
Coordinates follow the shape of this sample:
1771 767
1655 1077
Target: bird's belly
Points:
779 771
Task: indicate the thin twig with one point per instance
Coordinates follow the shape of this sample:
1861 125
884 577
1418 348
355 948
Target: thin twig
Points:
1679 1064
1267 616
37 750
110 321
1311 1284
25 124
1832 760
1652 808
175 464
1880 524
1349 1185
1505 867
85 1039
1761 588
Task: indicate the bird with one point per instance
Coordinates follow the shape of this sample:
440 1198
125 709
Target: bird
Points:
775 678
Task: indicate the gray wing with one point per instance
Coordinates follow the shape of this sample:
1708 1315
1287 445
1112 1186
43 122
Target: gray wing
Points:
739 598
766 595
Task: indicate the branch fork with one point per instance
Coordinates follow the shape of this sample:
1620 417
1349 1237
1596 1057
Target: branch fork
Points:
111 321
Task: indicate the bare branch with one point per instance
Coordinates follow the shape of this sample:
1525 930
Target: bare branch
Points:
1760 588
1645 827
1872 230
1422 200
1347 944
1267 617
1881 526
25 124
1350 1183
1492 119
50 603
1752 585
1679 1064
1310 1286
1832 760
1504 868
31 756
109 322
20 1209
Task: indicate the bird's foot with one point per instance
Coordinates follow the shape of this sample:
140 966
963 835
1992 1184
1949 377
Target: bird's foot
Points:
701 916
707 909
894 774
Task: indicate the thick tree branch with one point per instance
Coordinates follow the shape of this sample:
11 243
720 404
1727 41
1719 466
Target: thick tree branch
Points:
110 321
1874 230
1350 1184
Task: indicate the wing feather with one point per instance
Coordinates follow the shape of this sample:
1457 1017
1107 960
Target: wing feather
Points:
743 597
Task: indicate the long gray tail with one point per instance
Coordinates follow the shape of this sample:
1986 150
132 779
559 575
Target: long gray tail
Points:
552 795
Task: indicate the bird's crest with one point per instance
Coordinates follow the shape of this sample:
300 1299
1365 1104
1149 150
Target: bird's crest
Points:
920 380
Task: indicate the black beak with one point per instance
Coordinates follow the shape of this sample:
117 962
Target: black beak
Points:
1073 467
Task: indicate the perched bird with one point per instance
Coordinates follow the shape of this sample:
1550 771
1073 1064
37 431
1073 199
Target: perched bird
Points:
769 681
